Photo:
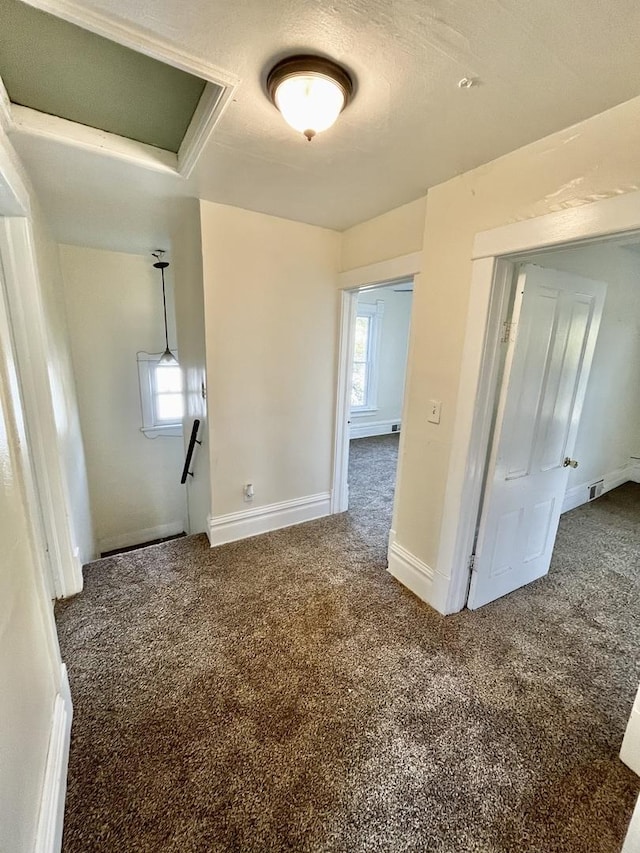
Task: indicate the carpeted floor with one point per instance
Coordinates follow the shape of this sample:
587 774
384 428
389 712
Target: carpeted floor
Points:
286 694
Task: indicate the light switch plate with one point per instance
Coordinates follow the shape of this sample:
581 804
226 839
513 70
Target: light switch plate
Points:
434 411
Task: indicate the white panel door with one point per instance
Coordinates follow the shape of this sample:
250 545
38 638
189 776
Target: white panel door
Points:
556 318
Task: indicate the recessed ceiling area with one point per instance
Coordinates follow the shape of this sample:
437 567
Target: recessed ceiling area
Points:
538 67
55 67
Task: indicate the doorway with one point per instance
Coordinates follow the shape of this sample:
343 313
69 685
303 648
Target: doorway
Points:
593 432
376 322
498 255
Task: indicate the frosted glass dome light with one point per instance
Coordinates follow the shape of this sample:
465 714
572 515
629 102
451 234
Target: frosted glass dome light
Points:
310 92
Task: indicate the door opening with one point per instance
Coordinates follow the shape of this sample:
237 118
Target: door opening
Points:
375 334
565 390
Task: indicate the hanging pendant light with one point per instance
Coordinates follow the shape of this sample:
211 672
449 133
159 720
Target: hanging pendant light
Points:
310 92
167 356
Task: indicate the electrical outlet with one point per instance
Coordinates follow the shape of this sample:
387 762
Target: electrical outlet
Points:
248 492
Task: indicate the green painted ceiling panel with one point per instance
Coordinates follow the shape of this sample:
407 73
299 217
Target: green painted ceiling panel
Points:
57 68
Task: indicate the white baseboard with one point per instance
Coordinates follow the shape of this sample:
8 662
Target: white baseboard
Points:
50 821
357 430
410 571
262 519
139 537
578 495
630 751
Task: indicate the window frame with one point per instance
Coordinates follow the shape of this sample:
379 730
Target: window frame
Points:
375 312
152 427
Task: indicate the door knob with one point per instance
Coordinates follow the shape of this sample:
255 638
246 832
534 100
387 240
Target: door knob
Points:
569 463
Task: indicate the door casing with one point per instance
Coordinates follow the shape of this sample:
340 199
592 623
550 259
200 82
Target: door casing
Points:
495 256
374 275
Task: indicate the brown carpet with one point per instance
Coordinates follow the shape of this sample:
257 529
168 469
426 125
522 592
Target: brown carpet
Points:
286 694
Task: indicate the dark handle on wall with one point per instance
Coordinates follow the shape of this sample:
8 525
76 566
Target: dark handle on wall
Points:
192 443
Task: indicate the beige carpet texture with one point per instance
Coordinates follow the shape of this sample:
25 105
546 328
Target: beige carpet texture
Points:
285 693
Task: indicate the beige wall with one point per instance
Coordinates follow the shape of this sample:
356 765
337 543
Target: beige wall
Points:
609 432
595 159
397 232
114 309
392 363
271 312
186 275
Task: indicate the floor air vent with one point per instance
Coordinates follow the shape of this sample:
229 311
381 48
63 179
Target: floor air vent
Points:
595 490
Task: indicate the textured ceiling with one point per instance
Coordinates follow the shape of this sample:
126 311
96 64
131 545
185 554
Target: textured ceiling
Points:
540 66
77 75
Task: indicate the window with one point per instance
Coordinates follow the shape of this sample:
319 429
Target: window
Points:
364 380
160 395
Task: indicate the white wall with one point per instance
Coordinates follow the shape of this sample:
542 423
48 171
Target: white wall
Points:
186 275
271 312
392 361
114 309
29 658
609 432
30 666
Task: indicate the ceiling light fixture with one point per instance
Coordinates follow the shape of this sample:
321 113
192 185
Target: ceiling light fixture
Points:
167 356
310 92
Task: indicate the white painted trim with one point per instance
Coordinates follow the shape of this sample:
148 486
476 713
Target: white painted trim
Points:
374 428
409 570
630 751
634 471
40 125
578 495
24 296
51 818
477 375
263 519
488 307
134 37
140 537
14 184
340 488
632 838
6 120
211 105
604 218
384 272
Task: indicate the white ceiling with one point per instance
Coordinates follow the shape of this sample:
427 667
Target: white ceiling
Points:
541 65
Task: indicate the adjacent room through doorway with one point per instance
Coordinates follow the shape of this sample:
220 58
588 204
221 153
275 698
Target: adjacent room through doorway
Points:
565 423
381 320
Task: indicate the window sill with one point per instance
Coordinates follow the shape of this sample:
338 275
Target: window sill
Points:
171 430
370 410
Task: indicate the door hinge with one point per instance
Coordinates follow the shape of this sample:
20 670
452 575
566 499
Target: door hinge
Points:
472 562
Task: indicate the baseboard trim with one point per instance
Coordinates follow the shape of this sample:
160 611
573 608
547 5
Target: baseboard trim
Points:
630 750
139 537
410 571
357 430
252 522
50 821
578 495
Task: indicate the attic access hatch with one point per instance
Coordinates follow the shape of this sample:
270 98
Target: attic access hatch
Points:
83 74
